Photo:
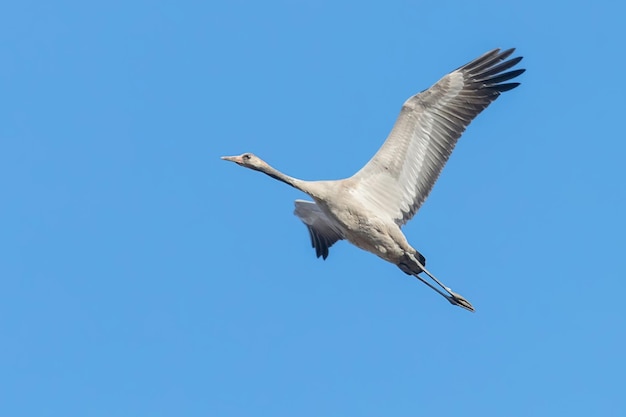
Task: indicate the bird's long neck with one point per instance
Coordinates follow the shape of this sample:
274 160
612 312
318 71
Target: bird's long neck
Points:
304 186
276 174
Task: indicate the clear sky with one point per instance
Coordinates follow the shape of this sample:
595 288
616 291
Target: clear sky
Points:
140 275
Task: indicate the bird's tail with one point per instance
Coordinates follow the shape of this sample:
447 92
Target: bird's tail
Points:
420 258
410 267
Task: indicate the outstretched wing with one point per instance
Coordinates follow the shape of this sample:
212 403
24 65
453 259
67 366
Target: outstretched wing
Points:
323 233
397 180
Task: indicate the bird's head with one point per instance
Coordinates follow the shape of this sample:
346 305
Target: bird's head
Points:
248 160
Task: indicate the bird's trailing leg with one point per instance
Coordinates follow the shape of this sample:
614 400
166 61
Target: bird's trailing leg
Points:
447 293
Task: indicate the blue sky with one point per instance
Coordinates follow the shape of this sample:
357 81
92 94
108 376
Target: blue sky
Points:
142 275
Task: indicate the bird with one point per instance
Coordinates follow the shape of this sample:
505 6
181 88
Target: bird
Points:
369 208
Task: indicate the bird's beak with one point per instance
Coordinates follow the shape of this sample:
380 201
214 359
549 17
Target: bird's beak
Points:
235 159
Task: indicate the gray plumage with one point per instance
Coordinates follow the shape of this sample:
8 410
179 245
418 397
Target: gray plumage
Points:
369 208
323 233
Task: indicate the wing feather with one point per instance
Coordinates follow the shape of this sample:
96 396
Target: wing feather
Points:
398 179
321 229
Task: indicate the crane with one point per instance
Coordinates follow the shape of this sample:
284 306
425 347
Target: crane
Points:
369 208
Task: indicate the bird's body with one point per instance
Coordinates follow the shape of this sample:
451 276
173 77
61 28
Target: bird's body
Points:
358 223
369 208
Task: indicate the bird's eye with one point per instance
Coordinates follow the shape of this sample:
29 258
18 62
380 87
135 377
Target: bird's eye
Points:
246 156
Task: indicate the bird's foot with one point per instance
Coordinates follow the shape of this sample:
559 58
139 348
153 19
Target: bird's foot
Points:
458 300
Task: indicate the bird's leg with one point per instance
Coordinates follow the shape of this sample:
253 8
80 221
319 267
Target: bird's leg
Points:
443 294
449 295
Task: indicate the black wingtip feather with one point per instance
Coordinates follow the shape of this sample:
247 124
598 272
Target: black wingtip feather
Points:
501 88
488 71
486 57
319 244
501 67
488 61
505 77
311 236
484 62
506 53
